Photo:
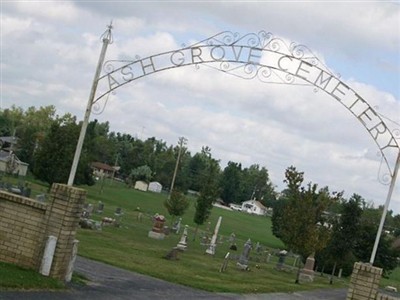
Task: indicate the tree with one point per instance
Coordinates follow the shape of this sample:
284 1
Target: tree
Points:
10 119
140 173
386 255
294 179
278 216
396 225
208 190
54 155
176 204
345 233
230 183
302 225
31 129
101 146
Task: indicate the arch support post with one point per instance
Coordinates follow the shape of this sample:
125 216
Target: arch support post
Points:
106 40
385 209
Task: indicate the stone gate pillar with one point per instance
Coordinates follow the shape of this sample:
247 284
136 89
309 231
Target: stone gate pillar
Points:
63 213
364 282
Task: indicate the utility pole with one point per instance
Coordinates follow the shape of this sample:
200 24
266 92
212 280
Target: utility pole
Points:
107 39
182 141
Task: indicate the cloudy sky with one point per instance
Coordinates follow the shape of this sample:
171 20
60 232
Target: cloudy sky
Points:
49 51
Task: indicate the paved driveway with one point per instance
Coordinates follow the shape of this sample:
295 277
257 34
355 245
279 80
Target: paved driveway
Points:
107 282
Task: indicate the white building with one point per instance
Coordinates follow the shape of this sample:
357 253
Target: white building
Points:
141 186
9 162
254 207
155 186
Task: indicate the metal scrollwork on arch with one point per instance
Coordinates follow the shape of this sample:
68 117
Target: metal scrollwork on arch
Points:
260 56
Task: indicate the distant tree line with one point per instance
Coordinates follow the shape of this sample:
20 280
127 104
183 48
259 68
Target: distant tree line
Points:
309 220
47 141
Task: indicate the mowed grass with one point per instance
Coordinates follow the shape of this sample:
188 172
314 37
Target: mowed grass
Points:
129 246
14 277
393 280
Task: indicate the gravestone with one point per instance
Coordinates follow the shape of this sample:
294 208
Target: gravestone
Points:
243 262
157 232
307 273
118 212
258 248
281 260
224 263
26 192
213 245
182 245
232 242
296 259
100 207
87 211
177 226
205 239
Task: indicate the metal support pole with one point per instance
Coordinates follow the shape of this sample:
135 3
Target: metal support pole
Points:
107 38
389 196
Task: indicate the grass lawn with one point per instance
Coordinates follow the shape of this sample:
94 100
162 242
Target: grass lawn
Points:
129 247
14 277
393 280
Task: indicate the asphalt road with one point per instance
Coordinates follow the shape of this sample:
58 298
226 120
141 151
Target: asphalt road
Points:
108 282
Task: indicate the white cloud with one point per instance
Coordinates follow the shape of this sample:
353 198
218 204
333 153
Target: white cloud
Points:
49 55
51 10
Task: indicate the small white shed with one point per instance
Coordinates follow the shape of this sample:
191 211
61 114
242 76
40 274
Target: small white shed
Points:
155 186
141 186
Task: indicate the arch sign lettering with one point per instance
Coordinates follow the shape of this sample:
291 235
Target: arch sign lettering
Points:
259 56
256 56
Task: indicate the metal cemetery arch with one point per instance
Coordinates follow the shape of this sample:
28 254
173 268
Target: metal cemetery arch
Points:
262 56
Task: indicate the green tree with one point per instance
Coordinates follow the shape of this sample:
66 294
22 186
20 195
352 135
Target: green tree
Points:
294 180
302 224
55 154
10 120
100 146
396 225
345 233
208 189
176 204
34 126
278 216
386 255
140 173
230 183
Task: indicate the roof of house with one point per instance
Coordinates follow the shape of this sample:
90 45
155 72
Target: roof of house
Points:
102 166
4 157
256 203
141 182
9 139
7 142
